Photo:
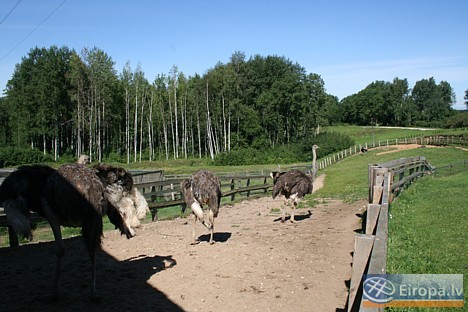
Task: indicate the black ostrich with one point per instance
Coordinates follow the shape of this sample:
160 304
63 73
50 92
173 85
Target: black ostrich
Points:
73 196
203 188
293 185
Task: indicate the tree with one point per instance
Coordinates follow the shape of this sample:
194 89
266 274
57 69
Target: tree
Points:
38 99
103 111
431 100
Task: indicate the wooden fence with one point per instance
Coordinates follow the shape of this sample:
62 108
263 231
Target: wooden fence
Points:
164 191
386 180
167 193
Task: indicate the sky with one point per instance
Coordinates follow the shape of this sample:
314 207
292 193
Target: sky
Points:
350 44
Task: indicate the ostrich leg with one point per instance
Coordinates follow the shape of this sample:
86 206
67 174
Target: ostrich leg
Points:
60 252
211 228
194 240
284 206
295 201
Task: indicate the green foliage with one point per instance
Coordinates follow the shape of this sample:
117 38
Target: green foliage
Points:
13 156
328 142
458 120
70 102
385 103
251 156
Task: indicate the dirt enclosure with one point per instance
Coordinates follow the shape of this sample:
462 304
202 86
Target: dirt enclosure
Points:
256 264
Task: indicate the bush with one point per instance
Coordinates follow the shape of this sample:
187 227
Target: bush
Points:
328 142
284 154
14 156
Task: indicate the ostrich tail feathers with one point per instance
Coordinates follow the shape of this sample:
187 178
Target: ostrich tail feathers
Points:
18 221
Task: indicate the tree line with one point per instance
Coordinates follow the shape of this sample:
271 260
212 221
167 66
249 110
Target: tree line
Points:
67 103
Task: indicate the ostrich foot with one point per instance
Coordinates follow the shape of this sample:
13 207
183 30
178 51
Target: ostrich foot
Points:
195 242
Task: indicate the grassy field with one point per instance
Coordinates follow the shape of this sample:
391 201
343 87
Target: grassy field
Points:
428 233
347 179
365 134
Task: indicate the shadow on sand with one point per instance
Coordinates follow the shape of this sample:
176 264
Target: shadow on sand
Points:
297 217
218 237
27 277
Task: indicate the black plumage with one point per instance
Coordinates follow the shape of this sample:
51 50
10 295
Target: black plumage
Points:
73 196
293 185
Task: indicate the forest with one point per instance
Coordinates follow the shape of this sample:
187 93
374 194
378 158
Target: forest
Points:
64 103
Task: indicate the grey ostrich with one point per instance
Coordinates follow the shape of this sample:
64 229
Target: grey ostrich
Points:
314 162
74 196
293 185
203 188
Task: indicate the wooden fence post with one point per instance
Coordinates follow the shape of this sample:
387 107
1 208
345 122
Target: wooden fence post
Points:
232 188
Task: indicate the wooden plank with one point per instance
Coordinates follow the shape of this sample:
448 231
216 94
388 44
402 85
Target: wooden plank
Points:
378 258
363 246
372 216
377 194
377 264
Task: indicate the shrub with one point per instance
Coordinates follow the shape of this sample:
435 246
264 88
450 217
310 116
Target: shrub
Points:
14 156
284 154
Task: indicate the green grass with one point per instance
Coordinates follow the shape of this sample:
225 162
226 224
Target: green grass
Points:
428 231
363 135
348 179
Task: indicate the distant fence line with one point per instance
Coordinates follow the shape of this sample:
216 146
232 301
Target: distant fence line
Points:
438 140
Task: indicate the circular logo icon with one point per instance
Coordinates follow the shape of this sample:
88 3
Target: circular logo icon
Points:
378 289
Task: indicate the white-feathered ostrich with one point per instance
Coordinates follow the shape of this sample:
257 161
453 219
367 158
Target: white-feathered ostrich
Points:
74 196
293 185
84 160
201 190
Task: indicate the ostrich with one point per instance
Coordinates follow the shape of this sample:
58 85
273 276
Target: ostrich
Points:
293 185
72 195
203 188
20 193
84 160
275 175
121 193
314 162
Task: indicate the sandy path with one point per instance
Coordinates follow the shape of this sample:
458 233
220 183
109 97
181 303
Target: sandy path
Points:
257 264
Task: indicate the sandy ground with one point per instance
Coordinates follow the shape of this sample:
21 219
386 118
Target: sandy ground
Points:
256 264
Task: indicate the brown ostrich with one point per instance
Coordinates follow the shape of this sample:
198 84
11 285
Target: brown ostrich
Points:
74 196
203 188
293 185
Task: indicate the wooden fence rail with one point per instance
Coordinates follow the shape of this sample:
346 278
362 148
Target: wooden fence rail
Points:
386 180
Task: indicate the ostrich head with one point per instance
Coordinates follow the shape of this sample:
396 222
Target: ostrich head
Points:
126 206
84 160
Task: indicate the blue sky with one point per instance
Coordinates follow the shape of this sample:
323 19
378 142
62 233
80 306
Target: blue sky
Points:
348 43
